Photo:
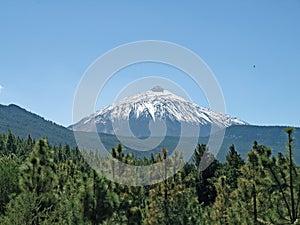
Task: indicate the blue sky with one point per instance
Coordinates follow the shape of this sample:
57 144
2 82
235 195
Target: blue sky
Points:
46 46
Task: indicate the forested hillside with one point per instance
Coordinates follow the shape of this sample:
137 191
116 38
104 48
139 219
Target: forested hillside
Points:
22 123
45 184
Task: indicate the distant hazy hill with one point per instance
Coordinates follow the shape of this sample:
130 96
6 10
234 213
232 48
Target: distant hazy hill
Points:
242 137
273 136
21 123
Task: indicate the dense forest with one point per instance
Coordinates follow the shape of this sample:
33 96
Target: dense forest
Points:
45 184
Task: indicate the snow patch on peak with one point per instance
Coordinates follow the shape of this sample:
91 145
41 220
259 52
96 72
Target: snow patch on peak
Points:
156 104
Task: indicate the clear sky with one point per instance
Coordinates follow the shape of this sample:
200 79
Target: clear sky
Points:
46 46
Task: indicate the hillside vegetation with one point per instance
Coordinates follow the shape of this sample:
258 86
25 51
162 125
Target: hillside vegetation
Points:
45 184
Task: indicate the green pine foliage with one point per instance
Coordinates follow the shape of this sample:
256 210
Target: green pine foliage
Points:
45 184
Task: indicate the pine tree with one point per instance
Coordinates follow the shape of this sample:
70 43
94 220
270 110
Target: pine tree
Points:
9 180
2 145
38 177
99 199
69 209
173 200
286 182
205 188
10 144
25 209
182 207
222 204
232 167
252 197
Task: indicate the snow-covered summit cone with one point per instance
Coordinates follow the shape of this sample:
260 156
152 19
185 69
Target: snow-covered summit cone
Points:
151 108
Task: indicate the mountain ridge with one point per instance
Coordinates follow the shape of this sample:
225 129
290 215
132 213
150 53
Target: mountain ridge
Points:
242 136
154 106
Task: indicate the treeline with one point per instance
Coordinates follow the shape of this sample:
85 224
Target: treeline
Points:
44 184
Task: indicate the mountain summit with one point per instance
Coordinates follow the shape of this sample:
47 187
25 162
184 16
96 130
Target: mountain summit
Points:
152 111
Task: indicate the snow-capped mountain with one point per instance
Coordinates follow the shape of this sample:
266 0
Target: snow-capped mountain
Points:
154 111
